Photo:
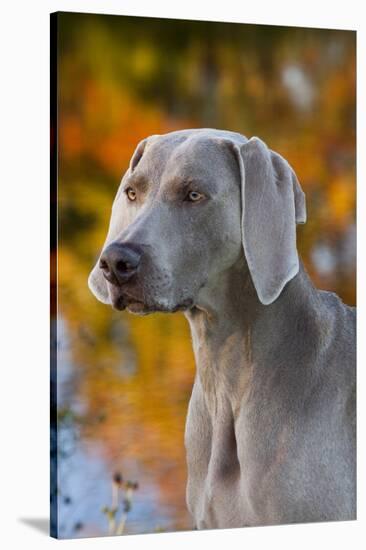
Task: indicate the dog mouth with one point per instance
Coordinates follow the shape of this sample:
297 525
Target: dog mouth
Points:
125 300
121 301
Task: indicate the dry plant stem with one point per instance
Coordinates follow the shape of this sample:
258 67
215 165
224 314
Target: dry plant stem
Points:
111 525
122 523
113 510
115 489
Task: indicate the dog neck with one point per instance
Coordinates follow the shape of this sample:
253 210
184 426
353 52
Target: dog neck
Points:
235 337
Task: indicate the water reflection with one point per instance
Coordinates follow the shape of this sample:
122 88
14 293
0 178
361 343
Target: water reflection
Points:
121 426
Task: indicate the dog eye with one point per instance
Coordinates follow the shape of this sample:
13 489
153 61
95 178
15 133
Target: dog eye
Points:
131 194
194 196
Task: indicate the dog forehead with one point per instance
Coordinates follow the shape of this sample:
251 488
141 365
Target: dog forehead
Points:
156 155
189 155
201 154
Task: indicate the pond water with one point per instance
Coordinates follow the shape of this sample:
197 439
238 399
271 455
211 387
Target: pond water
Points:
122 402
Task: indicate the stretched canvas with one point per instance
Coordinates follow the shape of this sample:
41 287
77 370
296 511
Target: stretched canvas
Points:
202 275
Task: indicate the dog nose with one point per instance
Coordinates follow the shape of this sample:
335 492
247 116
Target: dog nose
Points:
119 262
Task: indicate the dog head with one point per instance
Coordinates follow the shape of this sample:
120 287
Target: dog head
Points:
190 205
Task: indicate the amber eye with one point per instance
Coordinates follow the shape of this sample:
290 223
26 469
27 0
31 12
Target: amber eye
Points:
131 194
194 196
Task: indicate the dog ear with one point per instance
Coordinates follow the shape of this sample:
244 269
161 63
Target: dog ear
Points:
96 281
272 203
137 155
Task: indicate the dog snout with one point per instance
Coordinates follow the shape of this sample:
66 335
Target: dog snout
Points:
119 262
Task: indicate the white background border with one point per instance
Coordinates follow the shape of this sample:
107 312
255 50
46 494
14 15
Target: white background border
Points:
24 198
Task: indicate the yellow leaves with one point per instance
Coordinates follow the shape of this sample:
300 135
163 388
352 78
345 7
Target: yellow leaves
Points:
337 89
255 85
308 163
71 137
105 127
341 201
144 61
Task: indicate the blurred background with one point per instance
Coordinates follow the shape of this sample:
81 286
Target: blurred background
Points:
124 382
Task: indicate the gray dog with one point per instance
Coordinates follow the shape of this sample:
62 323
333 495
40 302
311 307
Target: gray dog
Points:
204 221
